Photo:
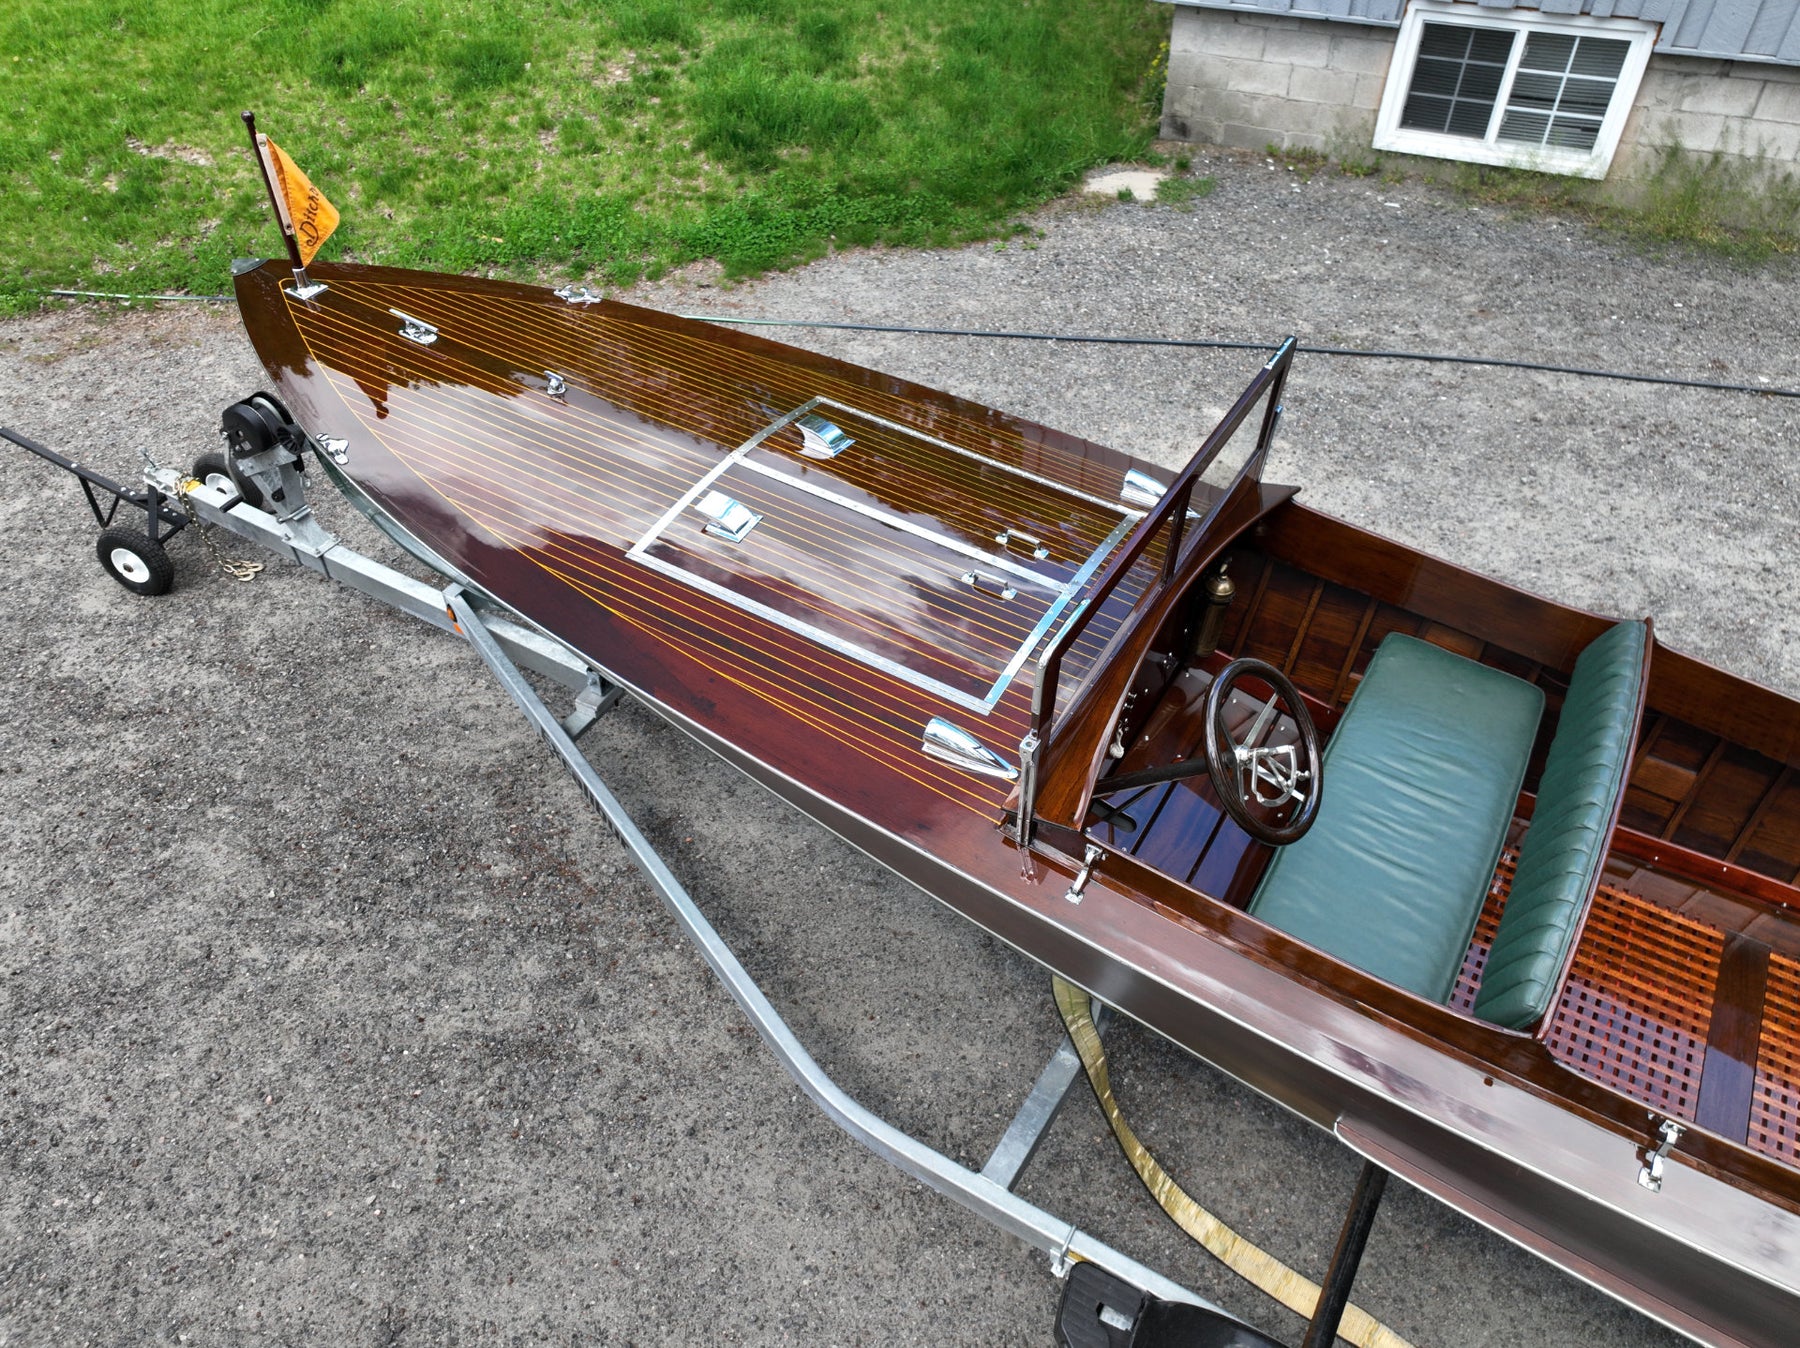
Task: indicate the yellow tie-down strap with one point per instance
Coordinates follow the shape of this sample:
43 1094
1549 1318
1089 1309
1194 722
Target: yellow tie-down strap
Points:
1257 1266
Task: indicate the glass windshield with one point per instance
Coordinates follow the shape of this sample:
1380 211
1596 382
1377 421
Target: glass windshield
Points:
1153 554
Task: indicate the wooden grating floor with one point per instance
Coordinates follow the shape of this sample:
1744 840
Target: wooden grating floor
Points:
1775 1105
1637 1010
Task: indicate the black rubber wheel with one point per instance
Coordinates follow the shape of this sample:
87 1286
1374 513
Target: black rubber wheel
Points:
215 471
135 561
1233 769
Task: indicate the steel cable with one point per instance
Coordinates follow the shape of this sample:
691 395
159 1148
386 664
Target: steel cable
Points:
1101 339
1227 344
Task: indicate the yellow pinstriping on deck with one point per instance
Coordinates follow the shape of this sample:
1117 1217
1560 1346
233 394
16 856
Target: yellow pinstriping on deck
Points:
773 373
760 679
706 357
670 420
1095 522
1006 638
446 456
441 455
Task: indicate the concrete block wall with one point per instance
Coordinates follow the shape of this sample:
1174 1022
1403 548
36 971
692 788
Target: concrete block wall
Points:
1735 108
1249 80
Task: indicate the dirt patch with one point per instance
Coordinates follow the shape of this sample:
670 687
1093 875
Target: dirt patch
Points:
184 154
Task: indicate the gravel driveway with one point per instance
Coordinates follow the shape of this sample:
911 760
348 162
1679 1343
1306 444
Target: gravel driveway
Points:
331 1016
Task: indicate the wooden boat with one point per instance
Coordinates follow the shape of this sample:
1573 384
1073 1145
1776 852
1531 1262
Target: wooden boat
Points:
1501 892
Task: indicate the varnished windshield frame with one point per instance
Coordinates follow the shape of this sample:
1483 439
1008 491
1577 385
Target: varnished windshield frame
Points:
1055 744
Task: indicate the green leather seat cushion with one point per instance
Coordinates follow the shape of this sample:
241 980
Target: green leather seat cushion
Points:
1421 778
1560 857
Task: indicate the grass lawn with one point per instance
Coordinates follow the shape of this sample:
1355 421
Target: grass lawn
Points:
548 137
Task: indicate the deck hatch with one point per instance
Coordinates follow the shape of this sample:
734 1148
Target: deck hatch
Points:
875 575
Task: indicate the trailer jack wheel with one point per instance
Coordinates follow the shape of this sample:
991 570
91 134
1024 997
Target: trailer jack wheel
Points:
136 561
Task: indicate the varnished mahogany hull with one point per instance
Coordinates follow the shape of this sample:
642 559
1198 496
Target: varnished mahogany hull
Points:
540 501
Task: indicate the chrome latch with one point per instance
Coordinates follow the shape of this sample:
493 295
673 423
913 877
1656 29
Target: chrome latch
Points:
998 588
1032 543
727 517
577 295
952 744
1093 857
1651 1174
557 387
819 439
415 329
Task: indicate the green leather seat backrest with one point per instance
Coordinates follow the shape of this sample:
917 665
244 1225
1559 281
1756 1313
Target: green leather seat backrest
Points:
1561 855
1421 778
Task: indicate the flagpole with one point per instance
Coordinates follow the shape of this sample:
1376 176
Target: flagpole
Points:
304 286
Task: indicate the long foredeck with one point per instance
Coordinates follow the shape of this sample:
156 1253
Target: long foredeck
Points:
809 560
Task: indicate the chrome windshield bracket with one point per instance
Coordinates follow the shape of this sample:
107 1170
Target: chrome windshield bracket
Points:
415 329
1141 490
1028 772
952 744
1650 1175
1090 859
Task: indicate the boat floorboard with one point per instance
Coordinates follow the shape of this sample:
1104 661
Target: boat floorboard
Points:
1647 1012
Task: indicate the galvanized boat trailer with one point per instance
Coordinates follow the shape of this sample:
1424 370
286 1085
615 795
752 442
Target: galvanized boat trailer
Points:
257 491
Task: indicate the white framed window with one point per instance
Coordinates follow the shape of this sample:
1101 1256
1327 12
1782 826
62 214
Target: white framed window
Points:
1512 86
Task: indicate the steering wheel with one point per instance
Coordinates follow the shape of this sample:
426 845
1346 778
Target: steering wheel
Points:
1256 781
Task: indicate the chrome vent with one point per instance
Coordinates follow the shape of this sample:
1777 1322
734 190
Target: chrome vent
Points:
820 439
956 746
727 517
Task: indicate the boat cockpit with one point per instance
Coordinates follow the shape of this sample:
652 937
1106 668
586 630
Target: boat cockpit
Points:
1425 793
1376 843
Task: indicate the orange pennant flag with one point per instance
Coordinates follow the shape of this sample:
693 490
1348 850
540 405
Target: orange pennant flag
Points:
305 213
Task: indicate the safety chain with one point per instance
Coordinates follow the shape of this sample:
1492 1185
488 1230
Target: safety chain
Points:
236 568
